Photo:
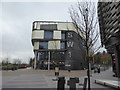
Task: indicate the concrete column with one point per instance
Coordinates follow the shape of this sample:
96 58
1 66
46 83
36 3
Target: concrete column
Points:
35 60
49 60
38 59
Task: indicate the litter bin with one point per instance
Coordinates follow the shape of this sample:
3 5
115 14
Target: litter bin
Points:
61 83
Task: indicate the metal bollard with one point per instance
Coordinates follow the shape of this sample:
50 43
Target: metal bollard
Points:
85 84
61 83
72 83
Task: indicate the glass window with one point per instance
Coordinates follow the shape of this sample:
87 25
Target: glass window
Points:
43 45
48 26
62 45
48 35
43 55
55 55
63 35
35 25
61 55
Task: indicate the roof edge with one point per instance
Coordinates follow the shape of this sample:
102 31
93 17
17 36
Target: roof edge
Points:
53 21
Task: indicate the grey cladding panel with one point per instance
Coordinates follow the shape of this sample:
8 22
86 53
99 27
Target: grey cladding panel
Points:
48 27
75 54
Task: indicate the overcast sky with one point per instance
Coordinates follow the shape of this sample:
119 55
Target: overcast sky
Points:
17 19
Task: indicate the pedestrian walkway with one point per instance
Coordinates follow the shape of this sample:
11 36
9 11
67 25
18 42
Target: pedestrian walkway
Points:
25 81
106 78
45 79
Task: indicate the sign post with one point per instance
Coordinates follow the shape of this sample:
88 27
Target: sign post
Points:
90 61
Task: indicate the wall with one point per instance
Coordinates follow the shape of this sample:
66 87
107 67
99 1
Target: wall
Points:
75 55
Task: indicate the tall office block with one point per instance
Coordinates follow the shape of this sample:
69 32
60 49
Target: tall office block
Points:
109 21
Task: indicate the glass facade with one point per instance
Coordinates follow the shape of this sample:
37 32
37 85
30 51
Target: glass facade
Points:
57 55
48 35
43 45
62 45
43 55
54 55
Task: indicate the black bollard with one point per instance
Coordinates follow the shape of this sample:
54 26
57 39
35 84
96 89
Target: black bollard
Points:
85 84
61 83
99 70
72 83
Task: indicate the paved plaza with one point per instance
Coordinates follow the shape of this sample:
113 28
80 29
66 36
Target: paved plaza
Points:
34 78
28 78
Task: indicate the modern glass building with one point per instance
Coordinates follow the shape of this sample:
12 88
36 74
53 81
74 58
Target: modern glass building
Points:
109 21
57 43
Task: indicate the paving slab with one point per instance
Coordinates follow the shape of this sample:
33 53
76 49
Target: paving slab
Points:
45 79
25 81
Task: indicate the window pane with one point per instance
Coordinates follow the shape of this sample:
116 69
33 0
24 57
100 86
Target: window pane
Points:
35 25
48 35
57 55
43 45
62 55
43 55
53 55
62 45
62 35
48 26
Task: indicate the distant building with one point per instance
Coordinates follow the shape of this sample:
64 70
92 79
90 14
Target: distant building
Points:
109 21
57 43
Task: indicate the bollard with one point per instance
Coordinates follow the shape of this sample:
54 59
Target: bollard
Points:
98 70
72 83
85 84
61 83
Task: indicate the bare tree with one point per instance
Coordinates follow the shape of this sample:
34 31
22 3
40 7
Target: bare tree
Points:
31 60
84 18
17 61
5 61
